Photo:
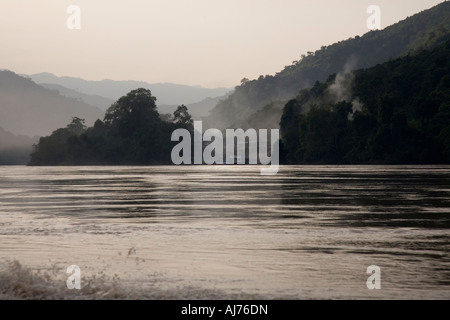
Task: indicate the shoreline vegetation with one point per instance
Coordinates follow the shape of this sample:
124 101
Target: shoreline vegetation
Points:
132 133
397 112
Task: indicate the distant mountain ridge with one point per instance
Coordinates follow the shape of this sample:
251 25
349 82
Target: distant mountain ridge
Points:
426 29
197 110
93 100
166 93
15 149
29 109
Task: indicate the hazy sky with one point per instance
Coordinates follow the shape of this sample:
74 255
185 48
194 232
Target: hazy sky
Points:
196 42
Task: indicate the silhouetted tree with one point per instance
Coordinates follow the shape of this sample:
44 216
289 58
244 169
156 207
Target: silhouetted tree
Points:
403 115
77 126
132 133
182 117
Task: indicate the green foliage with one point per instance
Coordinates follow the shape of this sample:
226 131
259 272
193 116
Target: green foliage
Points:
397 112
182 117
136 107
132 133
77 126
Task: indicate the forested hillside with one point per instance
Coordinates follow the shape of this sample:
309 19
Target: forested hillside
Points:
426 29
131 133
396 112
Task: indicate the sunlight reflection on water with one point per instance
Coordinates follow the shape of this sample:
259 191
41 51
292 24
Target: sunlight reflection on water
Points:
221 231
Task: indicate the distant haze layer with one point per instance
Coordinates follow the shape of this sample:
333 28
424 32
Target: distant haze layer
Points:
166 93
200 42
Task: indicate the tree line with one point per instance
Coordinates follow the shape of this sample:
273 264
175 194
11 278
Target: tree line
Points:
397 112
131 133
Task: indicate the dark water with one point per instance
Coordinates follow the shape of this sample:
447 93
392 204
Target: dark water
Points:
225 232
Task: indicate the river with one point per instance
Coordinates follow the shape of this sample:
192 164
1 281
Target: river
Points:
225 232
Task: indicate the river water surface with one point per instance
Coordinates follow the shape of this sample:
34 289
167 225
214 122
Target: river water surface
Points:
213 232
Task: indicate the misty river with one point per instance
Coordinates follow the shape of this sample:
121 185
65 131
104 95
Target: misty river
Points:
195 232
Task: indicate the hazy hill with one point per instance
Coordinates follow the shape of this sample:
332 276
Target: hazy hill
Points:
198 110
423 30
15 149
93 100
397 112
166 93
29 109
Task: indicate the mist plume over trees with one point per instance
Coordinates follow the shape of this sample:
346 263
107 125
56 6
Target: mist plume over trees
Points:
261 97
394 113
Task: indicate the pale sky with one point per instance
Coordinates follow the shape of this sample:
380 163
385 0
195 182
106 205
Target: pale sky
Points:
212 43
